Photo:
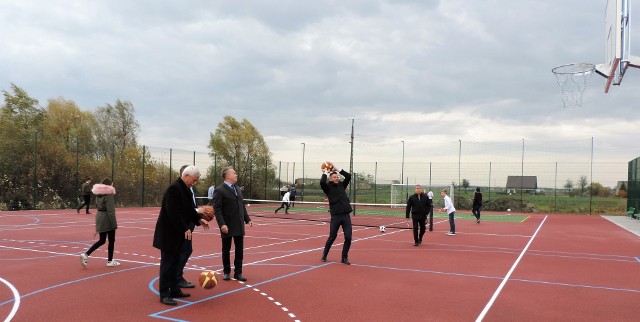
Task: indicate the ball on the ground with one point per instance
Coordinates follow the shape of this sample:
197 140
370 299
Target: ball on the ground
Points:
208 279
328 166
382 229
509 209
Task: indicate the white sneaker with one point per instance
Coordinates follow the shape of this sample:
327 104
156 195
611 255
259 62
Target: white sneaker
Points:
84 259
451 234
113 263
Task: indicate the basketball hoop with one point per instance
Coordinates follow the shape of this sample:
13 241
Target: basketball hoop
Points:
572 80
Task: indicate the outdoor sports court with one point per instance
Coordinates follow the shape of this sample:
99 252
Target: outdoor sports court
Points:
540 268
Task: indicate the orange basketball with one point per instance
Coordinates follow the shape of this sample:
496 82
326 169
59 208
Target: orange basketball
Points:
208 279
327 166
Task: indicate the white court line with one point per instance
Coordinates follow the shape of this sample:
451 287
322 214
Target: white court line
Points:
506 277
16 296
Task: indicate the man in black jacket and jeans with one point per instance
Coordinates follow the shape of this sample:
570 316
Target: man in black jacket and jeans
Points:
419 205
340 209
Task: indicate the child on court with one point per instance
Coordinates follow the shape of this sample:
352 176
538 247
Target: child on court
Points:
285 203
448 206
106 224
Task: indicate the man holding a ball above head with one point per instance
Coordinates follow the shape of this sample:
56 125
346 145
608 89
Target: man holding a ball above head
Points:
339 207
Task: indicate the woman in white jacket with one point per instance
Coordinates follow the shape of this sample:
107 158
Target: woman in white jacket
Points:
106 223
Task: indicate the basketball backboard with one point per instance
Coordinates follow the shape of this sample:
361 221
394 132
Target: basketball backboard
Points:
617 45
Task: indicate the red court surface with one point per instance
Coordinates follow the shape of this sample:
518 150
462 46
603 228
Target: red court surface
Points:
545 268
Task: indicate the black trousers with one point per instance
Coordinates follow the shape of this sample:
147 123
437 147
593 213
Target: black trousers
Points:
185 252
86 202
238 241
283 205
452 222
476 212
421 223
111 234
168 266
337 221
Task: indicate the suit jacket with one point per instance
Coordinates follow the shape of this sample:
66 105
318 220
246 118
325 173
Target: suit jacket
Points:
230 210
419 208
339 202
176 214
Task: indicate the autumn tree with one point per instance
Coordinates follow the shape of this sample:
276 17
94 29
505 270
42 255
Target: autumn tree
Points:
20 121
583 183
116 128
66 150
465 184
240 144
569 184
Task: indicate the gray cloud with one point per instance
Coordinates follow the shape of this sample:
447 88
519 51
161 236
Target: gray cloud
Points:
439 71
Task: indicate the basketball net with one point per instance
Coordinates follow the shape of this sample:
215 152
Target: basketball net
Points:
572 80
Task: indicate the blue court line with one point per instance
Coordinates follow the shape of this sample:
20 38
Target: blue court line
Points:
246 287
75 281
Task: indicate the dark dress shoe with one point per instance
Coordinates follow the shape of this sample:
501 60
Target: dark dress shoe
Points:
185 284
239 277
345 261
226 277
168 301
416 244
180 294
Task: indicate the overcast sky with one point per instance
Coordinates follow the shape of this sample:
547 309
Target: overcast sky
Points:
430 73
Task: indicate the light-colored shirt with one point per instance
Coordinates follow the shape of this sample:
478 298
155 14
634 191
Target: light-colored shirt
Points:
285 198
232 187
448 205
210 192
430 195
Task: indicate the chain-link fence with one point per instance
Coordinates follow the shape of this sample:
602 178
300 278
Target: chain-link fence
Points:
511 176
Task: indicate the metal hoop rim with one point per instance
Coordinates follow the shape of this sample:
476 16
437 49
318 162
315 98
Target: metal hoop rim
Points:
586 68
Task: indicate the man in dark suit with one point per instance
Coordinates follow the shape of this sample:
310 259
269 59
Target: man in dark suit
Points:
340 209
172 229
231 215
418 205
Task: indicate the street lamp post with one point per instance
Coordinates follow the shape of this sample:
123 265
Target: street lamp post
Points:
303 148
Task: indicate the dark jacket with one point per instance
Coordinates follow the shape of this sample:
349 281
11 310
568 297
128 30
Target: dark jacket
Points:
477 200
176 213
86 189
230 210
419 207
105 204
339 202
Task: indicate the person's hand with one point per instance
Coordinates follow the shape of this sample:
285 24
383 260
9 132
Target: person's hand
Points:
250 223
206 212
187 234
224 229
204 224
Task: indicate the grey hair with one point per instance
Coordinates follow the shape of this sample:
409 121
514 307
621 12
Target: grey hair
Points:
191 171
225 170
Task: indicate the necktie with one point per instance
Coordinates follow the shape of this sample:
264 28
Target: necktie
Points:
418 198
234 189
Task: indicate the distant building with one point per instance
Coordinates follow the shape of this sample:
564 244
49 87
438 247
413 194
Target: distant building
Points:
526 183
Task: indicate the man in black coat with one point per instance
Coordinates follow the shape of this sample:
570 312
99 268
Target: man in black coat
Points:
172 229
340 209
418 205
477 204
231 215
